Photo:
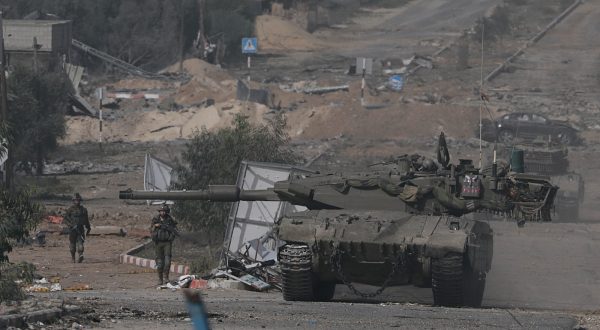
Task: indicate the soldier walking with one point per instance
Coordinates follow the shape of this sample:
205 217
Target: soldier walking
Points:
164 230
76 218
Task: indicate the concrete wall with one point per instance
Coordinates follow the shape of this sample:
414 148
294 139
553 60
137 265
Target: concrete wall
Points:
53 36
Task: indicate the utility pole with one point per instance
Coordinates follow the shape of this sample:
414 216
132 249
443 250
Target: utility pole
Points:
200 41
4 107
181 41
35 59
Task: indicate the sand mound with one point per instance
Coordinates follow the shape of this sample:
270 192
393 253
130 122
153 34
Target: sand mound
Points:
277 34
161 125
199 68
207 82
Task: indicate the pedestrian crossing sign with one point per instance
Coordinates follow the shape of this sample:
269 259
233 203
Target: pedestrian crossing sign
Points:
249 46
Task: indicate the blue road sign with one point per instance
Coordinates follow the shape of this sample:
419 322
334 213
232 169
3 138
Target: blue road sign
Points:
396 82
249 46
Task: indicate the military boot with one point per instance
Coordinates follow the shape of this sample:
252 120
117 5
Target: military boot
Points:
73 257
160 278
80 260
166 277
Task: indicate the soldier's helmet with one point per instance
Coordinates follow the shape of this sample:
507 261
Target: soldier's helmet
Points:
77 197
164 207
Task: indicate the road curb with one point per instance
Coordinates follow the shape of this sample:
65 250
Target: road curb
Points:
44 316
127 258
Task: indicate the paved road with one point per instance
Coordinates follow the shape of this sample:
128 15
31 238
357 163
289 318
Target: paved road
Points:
249 310
565 61
400 34
541 266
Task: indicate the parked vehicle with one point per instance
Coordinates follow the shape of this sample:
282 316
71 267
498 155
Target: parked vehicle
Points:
524 126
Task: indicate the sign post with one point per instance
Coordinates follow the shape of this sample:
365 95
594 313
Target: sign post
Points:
366 66
100 95
249 47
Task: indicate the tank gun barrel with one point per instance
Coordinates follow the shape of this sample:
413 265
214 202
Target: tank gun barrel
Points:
215 193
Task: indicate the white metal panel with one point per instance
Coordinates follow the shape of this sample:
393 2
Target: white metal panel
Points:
157 176
251 223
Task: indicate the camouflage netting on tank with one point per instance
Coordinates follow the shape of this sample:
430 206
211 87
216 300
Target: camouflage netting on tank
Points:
405 190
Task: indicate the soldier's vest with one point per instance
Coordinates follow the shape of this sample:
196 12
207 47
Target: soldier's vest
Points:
77 215
163 234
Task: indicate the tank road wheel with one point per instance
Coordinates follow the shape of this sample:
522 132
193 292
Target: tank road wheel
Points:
454 284
296 272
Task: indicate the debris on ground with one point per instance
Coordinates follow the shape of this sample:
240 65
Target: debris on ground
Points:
311 87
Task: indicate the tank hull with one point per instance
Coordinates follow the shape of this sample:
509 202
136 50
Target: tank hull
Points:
386 248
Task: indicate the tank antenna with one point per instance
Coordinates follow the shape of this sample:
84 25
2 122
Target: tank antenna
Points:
481 96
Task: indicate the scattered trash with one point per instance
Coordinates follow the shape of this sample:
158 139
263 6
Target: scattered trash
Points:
310 87
324 90
395 71
79 287
248 280
198 284
411 65
43 280
185 280
396 82
57 219
181 283
37 288
244 93
55 287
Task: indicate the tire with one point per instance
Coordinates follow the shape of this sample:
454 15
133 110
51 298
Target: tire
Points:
506 136
454 284
566 138
296 272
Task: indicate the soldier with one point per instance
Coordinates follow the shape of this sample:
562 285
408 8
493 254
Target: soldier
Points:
164 230
76 218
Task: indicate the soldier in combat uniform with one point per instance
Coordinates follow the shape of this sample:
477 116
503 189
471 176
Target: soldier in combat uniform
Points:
164 230
76 218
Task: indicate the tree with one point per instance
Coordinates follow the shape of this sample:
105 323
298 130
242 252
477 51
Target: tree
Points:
18 216
36 115
145 32
214 158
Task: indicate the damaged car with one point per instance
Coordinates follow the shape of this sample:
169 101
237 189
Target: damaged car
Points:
519 126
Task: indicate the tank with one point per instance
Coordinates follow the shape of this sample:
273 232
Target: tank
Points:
552 161
393 223
570 195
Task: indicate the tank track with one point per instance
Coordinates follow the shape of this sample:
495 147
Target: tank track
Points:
447 280
296 272
454 284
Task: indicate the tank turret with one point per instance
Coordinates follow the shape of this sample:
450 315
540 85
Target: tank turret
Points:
394 223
